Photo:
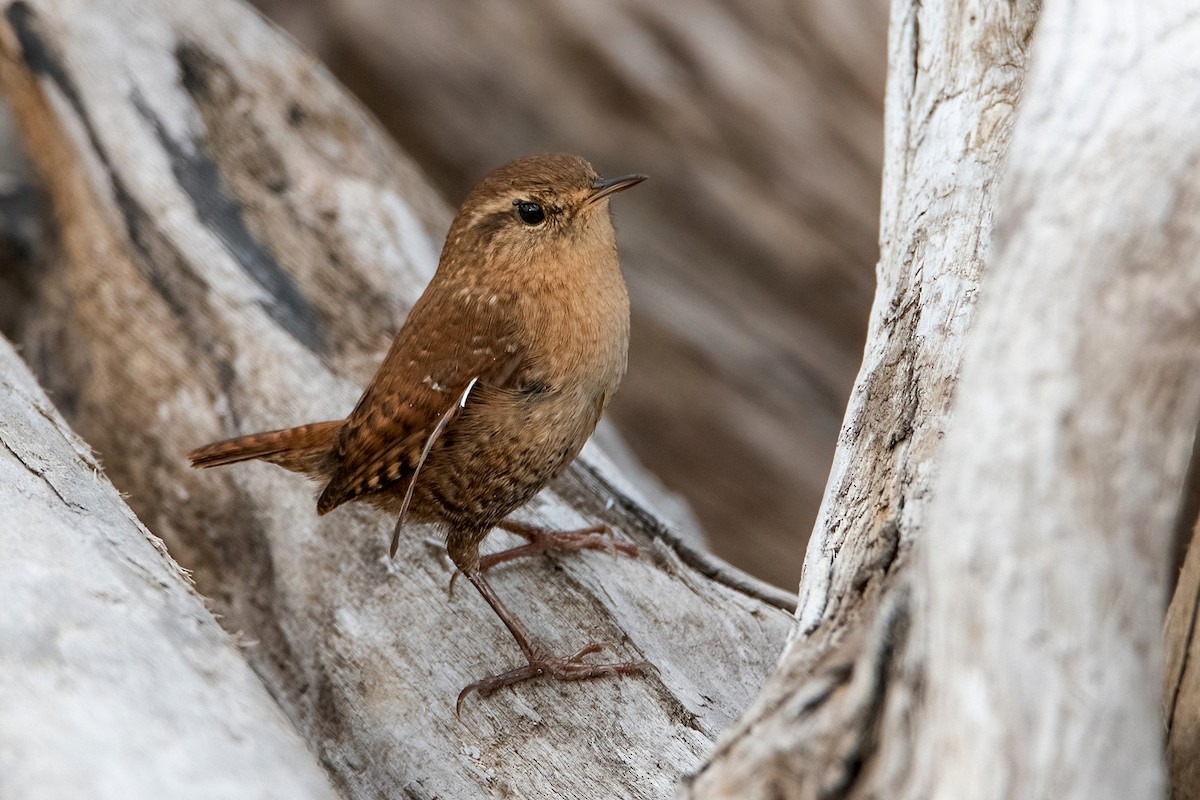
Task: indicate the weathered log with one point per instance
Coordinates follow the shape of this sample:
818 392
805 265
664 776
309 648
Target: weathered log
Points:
1014 651
239 243
115 681
949 119
1065 465
749 251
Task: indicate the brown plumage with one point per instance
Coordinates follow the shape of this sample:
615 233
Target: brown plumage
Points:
492 386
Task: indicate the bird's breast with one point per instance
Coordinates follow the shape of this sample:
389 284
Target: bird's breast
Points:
578 340
502 450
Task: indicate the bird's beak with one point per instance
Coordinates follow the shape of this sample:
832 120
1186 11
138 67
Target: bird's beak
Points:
606 186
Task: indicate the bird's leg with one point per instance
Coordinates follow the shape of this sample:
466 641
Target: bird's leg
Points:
548 540
539 658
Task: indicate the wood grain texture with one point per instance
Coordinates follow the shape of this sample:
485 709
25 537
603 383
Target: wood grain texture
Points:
1010 647
1065 465
239 243
1181 679
115 680
956 72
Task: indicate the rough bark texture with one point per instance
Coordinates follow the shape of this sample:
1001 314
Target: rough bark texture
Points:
956 78
239 242
1078 413
115 681
1015 651
749 251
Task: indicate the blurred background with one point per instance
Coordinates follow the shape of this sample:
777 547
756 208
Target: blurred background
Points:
750 253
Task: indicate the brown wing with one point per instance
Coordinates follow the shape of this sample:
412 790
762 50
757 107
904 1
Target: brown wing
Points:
445 344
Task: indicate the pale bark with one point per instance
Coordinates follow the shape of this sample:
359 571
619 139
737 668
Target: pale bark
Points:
115 681
239 243
1015 651
956 75
1076 423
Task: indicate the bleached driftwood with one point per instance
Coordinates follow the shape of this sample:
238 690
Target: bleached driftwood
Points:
949 120
115 681
985 623
239 242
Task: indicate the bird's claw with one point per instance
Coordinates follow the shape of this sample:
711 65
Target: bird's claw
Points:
571 668
541 540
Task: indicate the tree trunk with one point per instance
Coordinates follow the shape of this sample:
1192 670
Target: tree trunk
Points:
239 243
1007 643
115 681
949 118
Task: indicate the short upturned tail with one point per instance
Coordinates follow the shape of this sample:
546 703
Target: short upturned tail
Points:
306 448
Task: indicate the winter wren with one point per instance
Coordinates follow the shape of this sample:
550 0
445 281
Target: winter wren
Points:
490 389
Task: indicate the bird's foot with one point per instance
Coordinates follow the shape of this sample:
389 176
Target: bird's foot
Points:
572 668
547 540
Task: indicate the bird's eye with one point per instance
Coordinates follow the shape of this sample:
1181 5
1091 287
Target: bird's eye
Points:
531 213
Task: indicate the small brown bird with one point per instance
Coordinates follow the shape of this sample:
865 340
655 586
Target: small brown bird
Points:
490 389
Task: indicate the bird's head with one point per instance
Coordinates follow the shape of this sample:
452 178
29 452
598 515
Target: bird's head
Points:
551 207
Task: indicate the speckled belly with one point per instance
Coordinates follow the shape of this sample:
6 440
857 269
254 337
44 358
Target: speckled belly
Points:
498 454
